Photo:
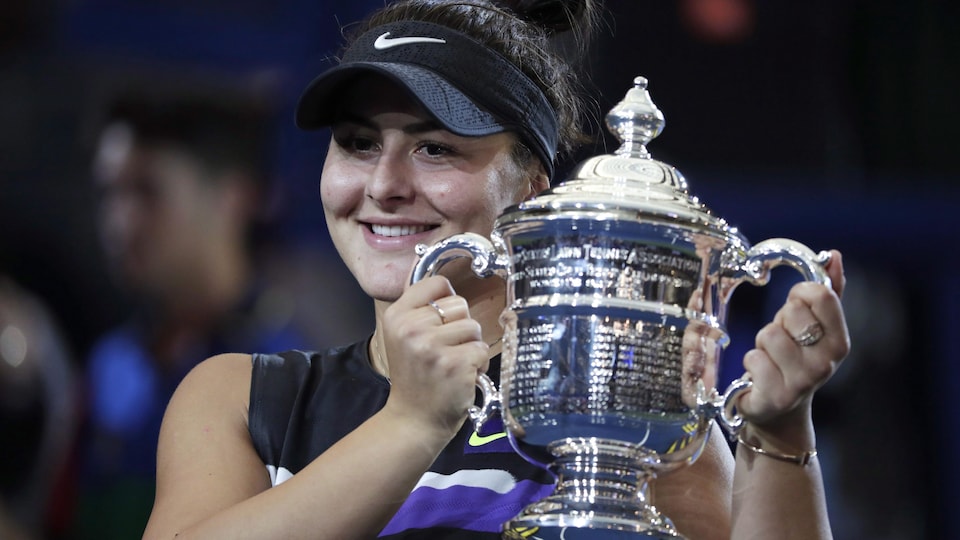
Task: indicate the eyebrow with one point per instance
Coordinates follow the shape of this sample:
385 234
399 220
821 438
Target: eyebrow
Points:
412 129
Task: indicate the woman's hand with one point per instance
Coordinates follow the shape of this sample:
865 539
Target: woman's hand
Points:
795 355
435 351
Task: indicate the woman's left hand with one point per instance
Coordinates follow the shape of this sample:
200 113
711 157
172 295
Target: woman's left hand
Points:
796 354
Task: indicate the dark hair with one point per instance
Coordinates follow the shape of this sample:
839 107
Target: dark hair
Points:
221 133
521 31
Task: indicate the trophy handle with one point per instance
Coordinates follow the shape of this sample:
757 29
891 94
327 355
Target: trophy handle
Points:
486 263
491 402
756 269
783 251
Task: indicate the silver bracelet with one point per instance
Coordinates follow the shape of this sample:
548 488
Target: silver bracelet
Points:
799 459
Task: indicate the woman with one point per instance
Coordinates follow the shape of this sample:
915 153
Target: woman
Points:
370 438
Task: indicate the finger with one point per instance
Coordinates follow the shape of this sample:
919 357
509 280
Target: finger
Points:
423 291
797 318
779 347
439 311
450 308
459 332
825 306
756 405
809 360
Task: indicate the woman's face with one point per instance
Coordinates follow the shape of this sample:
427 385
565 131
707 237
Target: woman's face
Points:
393 178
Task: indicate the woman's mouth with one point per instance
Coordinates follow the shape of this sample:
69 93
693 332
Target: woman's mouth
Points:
398 230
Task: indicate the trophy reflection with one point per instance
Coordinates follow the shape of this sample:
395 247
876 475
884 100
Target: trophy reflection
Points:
617 287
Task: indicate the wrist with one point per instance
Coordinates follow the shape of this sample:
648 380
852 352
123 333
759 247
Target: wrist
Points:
791 442
791 430
801 458
432 432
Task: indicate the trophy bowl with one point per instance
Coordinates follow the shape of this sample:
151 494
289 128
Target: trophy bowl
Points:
617 287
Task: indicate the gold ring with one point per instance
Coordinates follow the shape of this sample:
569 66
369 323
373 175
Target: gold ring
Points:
443 318
812 334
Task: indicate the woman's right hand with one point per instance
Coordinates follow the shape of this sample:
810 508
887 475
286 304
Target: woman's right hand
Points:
434 351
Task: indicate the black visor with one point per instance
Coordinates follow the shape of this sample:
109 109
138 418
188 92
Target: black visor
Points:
467 87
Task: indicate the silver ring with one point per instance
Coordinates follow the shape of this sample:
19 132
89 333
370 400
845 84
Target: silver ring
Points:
443 318
812 334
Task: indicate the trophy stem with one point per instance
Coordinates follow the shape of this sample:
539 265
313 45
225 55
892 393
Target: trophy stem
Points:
603 491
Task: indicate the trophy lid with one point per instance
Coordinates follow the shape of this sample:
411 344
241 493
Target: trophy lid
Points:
628 184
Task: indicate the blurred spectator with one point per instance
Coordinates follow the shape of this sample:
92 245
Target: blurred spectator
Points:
37 418
183 188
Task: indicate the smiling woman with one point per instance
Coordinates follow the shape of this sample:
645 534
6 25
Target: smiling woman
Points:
395 178
443 115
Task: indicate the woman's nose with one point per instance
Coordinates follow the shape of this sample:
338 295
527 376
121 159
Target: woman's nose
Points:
391 180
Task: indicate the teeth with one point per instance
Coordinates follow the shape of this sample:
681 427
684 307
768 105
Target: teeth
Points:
397 230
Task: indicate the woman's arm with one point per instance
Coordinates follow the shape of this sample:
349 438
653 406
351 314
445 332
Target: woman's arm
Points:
778 499
771 498
212 484
697 498
774 498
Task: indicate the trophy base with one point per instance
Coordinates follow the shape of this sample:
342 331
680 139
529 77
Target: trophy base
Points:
554 518
603 492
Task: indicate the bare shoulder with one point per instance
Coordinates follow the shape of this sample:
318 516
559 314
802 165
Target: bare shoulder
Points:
219 381
209 408
205 459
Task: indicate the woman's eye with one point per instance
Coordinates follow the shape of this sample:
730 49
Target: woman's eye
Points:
354 143
435 149
361 144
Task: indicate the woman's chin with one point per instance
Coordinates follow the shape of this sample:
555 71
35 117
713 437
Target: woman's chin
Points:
383 278
384 292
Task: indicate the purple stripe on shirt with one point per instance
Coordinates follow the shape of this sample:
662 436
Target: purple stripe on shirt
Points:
464 507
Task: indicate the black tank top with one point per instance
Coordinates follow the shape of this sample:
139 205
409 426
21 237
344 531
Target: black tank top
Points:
301 403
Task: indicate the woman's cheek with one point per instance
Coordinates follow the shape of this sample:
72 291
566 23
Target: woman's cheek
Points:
335 191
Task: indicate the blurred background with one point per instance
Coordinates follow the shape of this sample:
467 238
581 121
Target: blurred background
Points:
832 122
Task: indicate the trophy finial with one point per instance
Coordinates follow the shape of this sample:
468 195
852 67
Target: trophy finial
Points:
635 121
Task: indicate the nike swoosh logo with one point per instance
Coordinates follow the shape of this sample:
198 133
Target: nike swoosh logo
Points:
477 440
384 42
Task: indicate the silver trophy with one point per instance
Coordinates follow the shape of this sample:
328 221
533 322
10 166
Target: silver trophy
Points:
617 289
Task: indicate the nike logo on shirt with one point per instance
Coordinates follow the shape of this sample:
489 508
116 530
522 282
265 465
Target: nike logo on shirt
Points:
384 42
478 440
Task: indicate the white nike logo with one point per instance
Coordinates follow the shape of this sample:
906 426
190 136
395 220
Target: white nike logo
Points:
383 42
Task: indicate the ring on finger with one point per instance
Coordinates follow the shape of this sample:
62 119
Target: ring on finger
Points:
440 312
812 334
